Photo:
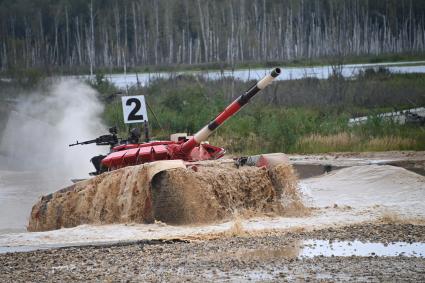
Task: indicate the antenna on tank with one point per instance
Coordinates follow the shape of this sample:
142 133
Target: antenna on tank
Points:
146 129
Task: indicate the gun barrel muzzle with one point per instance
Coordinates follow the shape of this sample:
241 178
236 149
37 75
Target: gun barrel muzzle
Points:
230 110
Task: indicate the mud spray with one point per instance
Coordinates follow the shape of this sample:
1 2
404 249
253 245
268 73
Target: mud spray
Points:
142 194
34 155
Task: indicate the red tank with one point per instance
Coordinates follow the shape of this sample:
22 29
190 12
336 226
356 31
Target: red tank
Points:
190 149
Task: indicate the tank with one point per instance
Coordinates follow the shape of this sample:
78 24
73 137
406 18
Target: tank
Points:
181 181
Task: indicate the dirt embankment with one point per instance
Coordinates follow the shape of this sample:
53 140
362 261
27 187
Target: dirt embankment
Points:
176 195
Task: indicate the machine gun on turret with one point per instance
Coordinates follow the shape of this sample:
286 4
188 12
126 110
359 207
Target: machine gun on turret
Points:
111 139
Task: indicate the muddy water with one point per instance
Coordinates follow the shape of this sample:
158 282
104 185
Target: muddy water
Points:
19 190
324 248
34 135
328 248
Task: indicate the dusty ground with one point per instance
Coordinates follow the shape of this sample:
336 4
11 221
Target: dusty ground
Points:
271 256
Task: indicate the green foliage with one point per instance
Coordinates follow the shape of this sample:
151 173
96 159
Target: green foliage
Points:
186 109
113 116
108 92
295 116
27 77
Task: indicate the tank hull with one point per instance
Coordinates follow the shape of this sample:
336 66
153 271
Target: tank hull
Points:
173 191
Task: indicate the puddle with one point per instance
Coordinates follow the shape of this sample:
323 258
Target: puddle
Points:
19 191
313 248
292 250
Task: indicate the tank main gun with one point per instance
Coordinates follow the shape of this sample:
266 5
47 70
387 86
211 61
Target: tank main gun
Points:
233 108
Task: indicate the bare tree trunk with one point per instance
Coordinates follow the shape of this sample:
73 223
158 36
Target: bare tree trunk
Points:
27 40
190 52
92 54
136 35
183 50
156 32
4 59
106 56
117 36
232 36
56 46
203 31
125 51
78 40
263 33
67 50
42 47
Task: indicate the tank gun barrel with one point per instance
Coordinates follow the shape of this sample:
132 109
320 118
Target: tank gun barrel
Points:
230 110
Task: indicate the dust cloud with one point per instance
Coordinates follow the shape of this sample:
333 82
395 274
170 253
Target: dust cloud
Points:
43 123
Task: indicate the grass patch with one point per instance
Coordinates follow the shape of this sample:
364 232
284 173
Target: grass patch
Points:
344 141
299 62
300 116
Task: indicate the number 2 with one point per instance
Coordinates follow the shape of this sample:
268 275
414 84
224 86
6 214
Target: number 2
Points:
133 114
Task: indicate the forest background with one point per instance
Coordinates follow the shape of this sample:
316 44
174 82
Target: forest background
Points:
40 38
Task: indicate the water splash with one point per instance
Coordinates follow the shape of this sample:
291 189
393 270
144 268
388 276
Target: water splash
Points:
38 132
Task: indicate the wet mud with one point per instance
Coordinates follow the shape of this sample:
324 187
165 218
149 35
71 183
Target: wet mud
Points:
211 192
271 257
317 164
